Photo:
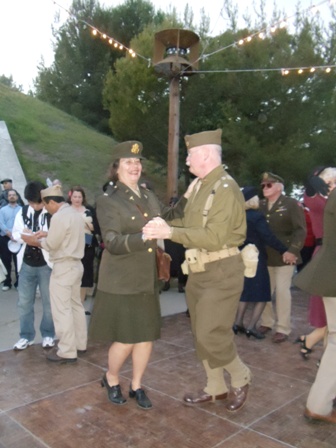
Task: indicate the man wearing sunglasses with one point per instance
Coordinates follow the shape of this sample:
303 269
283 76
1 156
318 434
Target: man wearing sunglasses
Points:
285 217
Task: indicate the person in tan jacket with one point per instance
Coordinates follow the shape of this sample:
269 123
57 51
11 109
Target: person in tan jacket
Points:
65 242
212 228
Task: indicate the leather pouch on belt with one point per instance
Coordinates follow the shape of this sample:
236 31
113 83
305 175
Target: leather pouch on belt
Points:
193 260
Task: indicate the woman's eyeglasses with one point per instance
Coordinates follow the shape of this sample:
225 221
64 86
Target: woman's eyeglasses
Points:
267 185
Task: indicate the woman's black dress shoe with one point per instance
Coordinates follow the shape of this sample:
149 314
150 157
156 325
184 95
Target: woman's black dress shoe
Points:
113 392
180 287
141 398
305 351
166 286
238 329
255 334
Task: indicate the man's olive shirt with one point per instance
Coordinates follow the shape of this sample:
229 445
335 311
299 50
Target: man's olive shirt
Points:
287 221
226 220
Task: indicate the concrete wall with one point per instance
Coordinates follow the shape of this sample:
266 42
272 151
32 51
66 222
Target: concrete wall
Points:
9 162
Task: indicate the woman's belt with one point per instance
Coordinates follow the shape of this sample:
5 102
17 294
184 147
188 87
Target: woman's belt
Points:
318 241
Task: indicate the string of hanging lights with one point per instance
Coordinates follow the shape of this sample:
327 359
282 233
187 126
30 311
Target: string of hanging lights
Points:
261 34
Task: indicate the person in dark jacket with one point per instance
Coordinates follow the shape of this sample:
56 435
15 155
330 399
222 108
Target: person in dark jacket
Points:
7 185
318 277
286 219
257 290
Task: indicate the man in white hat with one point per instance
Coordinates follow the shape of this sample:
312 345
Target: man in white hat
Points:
65 243
7 217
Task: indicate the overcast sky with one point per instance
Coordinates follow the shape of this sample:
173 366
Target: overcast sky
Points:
25 28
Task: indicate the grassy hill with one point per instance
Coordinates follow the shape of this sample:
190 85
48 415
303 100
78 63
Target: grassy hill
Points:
51 143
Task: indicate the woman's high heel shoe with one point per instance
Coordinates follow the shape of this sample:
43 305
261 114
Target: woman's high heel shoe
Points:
256 334
113 392
238 329
300 340
305 351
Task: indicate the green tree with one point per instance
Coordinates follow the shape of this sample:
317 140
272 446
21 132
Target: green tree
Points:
137 98
269 121
9 82
75 80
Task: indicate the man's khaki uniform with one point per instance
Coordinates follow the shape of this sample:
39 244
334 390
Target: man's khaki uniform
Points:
65 244
213 295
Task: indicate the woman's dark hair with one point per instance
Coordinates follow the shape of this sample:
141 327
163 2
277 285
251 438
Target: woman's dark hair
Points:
32 191
81 190
113 171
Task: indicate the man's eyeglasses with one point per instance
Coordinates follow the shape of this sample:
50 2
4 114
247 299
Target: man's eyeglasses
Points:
267 185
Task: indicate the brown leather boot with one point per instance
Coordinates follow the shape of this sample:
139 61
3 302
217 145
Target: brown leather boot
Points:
203 397
330 418
237 398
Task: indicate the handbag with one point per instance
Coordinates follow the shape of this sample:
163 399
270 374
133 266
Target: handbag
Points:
163 261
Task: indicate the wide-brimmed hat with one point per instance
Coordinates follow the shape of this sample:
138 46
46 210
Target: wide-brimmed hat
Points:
55 190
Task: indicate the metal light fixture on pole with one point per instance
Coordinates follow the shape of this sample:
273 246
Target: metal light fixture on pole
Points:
176 53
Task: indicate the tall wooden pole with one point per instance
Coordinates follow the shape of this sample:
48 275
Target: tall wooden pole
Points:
173 137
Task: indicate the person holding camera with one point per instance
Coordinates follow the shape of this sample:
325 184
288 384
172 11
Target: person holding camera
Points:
34 268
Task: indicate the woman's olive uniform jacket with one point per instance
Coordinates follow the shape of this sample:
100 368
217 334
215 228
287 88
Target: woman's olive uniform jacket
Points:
128 264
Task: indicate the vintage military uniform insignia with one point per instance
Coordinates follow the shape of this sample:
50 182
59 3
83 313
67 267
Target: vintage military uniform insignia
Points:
135 149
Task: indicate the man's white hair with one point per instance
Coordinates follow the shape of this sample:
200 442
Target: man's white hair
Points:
216 148
328 174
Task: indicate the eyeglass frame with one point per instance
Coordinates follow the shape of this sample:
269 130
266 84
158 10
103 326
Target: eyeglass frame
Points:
268 184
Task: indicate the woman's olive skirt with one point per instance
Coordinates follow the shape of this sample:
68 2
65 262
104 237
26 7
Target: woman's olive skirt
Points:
125 318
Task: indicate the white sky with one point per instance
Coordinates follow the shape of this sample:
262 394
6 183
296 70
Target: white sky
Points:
25 28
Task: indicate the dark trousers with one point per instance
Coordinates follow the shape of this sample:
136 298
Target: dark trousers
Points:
7 257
